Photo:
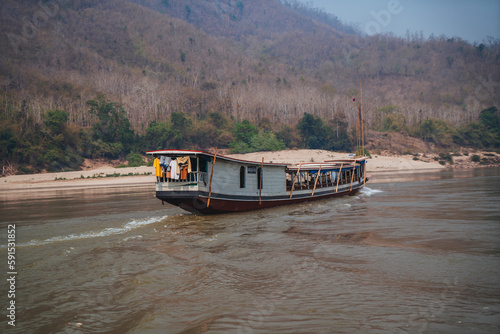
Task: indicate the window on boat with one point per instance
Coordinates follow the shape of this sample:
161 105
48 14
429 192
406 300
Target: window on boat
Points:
203 165
260 183
242 177
194 164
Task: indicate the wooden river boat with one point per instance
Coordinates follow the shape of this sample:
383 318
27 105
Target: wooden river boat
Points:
207 183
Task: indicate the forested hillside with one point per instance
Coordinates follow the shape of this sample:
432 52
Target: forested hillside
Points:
221 66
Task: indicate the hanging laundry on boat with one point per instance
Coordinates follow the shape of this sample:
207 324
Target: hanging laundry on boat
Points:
173 170
157 167
184 161
164 161
184 172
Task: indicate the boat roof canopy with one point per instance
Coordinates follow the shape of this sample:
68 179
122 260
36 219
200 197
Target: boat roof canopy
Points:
329 165
202 154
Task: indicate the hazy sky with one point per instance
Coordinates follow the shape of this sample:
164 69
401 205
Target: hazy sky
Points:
472 20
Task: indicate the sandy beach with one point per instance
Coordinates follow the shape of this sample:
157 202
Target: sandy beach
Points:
106 176
109 176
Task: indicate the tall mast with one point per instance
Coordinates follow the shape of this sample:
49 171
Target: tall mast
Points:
362 133
361 116
358 129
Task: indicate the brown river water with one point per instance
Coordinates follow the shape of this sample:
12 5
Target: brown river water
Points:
410 253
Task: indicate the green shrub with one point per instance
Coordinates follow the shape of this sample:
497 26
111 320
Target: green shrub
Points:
135 160
446 157
436 131
475 158
25 170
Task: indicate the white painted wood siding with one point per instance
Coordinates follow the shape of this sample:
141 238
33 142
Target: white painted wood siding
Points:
226 179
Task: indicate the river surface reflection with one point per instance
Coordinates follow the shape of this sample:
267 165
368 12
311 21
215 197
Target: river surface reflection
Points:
410 253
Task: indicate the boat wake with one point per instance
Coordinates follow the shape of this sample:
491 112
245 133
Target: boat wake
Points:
132 225
369 191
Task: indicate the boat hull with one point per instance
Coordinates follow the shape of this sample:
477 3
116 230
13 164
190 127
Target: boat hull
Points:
196 201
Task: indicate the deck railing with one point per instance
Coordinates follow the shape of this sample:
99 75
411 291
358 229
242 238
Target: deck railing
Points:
203 179
323 182
195 177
